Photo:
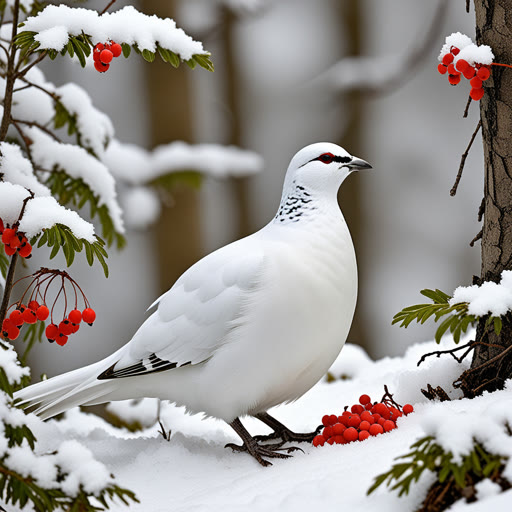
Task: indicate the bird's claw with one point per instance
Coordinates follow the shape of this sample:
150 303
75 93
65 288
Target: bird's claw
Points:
258 451
165 434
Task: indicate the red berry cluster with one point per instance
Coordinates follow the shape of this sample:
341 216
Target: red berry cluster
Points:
364 419
476 74
104 53
29 314
14 241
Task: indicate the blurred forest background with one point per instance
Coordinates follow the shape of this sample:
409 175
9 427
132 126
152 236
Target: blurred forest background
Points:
360 73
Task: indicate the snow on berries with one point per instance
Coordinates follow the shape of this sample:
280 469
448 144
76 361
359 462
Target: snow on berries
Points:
46 282
362 421
461 57
103 54
14 241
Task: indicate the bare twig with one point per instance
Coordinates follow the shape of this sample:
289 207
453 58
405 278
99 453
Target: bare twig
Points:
469 346
52 95
37 125
433 393
477 237
388 397
453 190
112 2
466 110
481 210
467 5
24 71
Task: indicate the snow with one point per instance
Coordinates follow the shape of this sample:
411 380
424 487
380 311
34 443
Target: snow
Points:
195 472
137 166
79 164
11 201
94 127
55 23
490 297
458 40
18 170
141 207
10 364
44 212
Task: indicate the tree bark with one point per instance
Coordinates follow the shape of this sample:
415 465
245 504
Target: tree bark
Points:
492 365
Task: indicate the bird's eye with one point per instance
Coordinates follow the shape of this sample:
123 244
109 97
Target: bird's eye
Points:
326 158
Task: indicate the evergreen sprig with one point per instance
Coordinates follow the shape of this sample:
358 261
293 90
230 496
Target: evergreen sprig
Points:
75 191
427 454
457 317
82 46
60 237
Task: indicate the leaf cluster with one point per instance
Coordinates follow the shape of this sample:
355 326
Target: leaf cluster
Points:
60 237
456 316
172 179
427 454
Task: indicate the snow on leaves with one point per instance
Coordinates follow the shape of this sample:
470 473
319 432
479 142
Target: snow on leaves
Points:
75 31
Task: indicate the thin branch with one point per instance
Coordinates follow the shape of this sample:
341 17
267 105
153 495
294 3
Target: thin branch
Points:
481 210
32 84
466 110
477 237
112 2
37 125
453 191
467 5
23 72
470 346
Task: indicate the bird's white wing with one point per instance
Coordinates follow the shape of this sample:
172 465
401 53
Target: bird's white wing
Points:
196 314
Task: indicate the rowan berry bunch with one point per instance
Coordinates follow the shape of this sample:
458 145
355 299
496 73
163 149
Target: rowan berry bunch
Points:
37 309
476 73
103 53
363 420
14 241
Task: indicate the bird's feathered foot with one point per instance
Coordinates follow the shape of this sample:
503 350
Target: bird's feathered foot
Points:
257 450
282 432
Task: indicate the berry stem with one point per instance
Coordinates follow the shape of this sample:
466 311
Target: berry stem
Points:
503 65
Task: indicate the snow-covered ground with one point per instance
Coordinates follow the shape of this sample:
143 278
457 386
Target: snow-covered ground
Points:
194 472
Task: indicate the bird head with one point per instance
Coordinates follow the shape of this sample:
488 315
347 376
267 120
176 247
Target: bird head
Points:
322 167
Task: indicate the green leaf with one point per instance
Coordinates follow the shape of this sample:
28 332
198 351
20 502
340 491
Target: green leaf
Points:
204 61
127 49
445 325
147 55
498 324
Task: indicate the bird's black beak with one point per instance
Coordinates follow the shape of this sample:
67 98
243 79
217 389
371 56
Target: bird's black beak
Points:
356 164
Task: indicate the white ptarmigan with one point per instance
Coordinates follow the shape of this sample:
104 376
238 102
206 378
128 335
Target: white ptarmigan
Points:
252 325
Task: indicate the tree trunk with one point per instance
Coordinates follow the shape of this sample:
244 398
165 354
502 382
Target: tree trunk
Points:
492 365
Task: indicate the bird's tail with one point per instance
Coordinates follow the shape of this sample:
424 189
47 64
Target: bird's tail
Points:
58 394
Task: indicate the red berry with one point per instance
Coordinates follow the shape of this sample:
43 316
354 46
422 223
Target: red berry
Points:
106 56
376 429
338 429
483 73
442 69
1 226
25 250
395 413
51 332
29 316
364 399
325 420
42 313
475 82
367 416
7 324
99 46
344 420
318 441
16 317
462 65
476 94
408 408
389 425
454 79
330 440
327 433
376 417
99 66
357 409
364 434
354 420
452 70
75 316
74 328
61 339
364 425
88 316
469 73
9 250
339 439
350 434
8 235
116 49
15 242
65 327
33 305
368 406
381 409
454 50
447 59
13 333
